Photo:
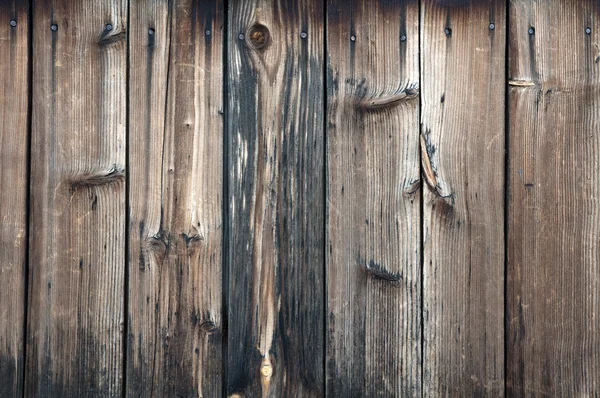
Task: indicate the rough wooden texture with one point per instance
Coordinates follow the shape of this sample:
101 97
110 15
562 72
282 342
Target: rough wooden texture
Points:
373 199
176 152
77 240
554 201
276 208
463 159
14 84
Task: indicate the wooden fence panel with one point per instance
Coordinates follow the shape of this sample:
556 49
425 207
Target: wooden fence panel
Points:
553 314
77 256
175 163
276 207
14 137
373 199
463 159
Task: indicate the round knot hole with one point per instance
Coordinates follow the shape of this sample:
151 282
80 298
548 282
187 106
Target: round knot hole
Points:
259 36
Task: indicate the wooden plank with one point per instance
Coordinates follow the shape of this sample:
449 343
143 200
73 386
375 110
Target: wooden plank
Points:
77 241
373 198
276 190
462 153
14 140
553 316
176 152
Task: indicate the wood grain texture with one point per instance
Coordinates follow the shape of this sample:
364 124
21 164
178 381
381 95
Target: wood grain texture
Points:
14 140
77 240
176 152
463 160
553 315
373 199
276 210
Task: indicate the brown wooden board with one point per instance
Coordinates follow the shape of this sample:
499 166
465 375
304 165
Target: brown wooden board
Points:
175 196
77 239
14 140
553 318
373 199
463 159
275 303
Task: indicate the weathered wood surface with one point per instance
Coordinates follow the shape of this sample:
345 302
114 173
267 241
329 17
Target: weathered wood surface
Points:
14 102
462 154
175 196
276 209
553 314
373 199
77 240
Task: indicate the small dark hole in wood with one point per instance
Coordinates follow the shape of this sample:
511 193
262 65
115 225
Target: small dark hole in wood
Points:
13 23
448 32
54 27
259 36
531 31
588 31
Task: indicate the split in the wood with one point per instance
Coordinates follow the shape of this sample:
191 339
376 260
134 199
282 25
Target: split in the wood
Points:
389 101
377 271
94 179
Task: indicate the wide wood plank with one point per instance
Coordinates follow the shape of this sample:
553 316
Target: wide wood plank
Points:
77 241
276 208
554 202
14 140
175 224
373 199
462 154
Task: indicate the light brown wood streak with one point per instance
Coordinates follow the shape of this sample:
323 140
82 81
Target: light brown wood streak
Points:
553 315
14 47
176 152
77 256
463 94
373 220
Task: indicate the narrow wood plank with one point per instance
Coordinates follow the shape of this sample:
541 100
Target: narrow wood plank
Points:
373 222
14 103
77 254
462 153
554 199
276 208
175 224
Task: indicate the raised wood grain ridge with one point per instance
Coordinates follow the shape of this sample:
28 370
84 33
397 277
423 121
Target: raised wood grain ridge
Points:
275 301
175 196
373 199
14 137
77 239
463 136
553 319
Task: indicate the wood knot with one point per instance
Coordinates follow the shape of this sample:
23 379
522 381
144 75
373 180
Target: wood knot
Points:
258 36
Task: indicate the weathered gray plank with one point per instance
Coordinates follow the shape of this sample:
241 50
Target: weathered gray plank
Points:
276 210
463 160
176 152
77 255
554 200
373 199
14 140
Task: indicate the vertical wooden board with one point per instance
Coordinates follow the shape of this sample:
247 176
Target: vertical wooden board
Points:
176 152
276 191
463 159
553 315
14 84
373 199
77 253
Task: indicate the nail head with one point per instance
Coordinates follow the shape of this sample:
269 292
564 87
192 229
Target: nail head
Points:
109 27
207 32
303 35
448 31
13 23
403 38
492 26
531 30
241 36
588 30
151 31
353 38
266 370
54 27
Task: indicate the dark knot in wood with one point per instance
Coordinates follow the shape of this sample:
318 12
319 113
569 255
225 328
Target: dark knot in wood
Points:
258 36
